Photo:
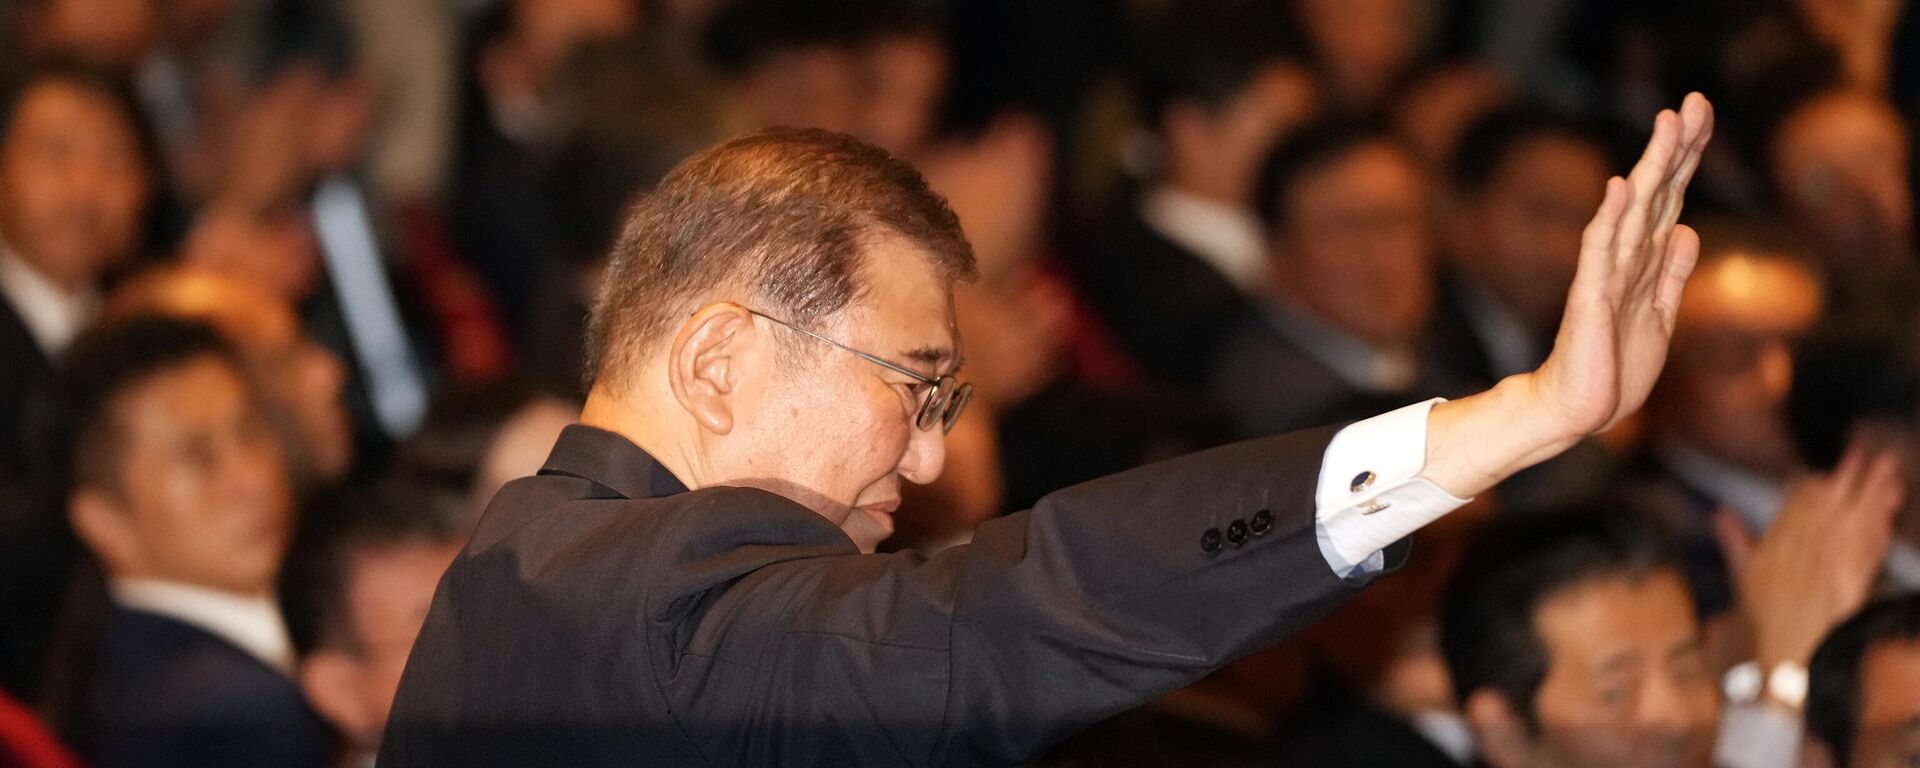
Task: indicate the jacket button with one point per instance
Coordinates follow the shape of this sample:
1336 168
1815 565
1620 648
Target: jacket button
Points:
1261 523
1210 541
1237 533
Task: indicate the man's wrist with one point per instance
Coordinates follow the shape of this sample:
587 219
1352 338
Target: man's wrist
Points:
1475 442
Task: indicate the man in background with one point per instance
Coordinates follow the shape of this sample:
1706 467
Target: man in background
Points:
178 491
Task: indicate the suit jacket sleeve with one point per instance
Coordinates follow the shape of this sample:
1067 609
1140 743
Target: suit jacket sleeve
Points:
1098 599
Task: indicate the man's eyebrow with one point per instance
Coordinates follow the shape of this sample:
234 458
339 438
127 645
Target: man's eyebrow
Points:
941 361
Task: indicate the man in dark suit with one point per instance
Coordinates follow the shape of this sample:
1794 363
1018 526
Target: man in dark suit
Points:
179 493
684 583
73 191
1178 262
73 197
1342 329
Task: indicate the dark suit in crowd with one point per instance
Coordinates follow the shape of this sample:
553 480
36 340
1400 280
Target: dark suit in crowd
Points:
160 692
1168 309
22 363
604 615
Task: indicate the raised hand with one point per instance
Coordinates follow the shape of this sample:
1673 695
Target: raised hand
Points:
1634 262
1816 564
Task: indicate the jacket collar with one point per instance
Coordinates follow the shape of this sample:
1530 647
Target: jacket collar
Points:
610 460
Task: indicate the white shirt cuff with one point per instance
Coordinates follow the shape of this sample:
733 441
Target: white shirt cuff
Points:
1371 493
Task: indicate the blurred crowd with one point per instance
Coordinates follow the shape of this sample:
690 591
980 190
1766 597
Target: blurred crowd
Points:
288 288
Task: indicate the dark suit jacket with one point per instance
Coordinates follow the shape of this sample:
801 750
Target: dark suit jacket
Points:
159 692
603 615
1169 310
1269 385
22 365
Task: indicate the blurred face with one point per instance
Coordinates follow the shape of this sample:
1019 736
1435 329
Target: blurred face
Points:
111 33
1889 732
73 185
1626 681
203 495
1355 244
1520 238
1731 363
905 75
521 446
1366 44
389 593
855 418
1842 162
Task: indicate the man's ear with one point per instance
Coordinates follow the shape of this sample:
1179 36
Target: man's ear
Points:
105 527
703 367
1499 733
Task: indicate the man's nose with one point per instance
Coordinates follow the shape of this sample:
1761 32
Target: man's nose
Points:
926 455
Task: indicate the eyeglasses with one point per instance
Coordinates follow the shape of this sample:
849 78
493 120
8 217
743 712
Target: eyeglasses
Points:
945 399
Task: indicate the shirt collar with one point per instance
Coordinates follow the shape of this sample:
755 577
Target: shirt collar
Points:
1354 361
1228 238
53 315
1755 497
252 624
606 458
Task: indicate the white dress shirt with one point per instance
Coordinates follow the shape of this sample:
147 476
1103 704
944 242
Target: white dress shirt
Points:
53 315
1370 493
252 624
1228 238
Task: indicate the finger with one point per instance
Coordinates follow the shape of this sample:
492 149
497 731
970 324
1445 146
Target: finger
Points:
1882 489
1597 241
1646 180
1683 252
1696 128
1736 544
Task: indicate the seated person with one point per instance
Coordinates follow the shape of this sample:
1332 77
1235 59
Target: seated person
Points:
358 587
1863 693
1343 326
1572 641
179 491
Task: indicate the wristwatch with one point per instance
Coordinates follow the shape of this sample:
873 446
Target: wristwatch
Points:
1784 684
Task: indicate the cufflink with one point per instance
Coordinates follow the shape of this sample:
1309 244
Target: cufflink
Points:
1362 482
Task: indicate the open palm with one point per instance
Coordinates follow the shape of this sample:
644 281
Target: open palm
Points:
1634 262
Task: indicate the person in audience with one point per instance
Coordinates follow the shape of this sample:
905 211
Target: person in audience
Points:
1863 689
74 183
74 180
1180 263
504 200
1573 640
359 582
1343 322
301 380
1716 422
1838 161
178 490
